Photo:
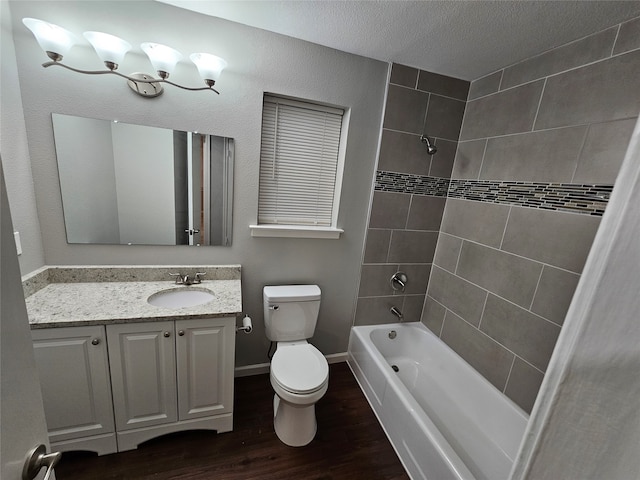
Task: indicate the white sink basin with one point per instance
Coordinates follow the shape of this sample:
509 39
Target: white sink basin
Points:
180 297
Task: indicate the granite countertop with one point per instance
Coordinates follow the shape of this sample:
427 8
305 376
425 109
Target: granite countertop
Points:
75 303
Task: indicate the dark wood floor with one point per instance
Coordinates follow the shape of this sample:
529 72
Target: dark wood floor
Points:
350 444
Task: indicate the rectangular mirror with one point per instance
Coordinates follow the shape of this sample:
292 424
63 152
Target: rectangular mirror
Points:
136 185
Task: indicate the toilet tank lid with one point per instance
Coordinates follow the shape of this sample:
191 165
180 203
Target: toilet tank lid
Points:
291 293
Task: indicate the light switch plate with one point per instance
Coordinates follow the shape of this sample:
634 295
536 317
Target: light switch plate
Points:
16 236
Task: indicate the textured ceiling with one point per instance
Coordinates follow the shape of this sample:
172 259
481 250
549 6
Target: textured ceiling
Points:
464 39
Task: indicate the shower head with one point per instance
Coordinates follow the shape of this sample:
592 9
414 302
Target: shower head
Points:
431 148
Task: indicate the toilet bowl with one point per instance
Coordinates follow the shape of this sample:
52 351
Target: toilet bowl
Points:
299 377
299 372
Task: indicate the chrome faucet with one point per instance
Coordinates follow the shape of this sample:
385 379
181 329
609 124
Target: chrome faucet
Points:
397 313
186 280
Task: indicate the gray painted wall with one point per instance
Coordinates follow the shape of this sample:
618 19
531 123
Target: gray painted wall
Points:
15 153
259 62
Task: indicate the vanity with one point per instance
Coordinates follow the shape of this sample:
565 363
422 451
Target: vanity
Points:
117 370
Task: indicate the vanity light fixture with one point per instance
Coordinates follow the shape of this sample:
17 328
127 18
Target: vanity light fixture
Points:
57 41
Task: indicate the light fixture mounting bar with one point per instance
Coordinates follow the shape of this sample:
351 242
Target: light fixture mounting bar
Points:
131 79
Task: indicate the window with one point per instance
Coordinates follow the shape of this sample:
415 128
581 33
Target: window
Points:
300 169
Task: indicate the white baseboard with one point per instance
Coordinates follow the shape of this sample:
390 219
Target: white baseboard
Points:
260 368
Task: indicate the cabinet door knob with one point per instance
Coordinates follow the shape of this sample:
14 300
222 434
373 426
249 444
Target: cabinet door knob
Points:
95 341
167 334
181 333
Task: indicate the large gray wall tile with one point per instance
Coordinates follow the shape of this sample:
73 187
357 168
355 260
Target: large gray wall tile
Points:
375 310
405 109
433 315
403 152
447 252
522 332
485 85
442 161
509 111
628 37
554 293
509 276
412 307
374 280
557 238
524 384
488 357
408 246
477 221
444 117
389 210
604 151
377 246
589 49
547 156
443 85
603 91
469 159
417 278
458 295
403 75
425 212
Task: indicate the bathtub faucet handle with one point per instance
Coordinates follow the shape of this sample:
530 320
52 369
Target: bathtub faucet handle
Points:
397 313
399 281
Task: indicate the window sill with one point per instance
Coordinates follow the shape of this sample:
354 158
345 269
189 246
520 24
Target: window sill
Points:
295 231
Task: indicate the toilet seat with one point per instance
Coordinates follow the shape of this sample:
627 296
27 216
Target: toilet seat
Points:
299 369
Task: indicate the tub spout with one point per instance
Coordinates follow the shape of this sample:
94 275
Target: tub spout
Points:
397 313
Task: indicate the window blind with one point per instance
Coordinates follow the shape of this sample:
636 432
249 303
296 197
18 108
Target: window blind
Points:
298 162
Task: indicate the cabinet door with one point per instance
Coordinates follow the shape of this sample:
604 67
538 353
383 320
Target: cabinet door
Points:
205 351
143 373
74 377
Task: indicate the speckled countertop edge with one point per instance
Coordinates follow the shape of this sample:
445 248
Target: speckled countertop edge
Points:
119 294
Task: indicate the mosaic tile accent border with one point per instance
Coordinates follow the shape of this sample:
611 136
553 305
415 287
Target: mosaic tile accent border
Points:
409 183
589 199
568 197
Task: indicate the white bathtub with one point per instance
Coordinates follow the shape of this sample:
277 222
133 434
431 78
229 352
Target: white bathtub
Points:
443 418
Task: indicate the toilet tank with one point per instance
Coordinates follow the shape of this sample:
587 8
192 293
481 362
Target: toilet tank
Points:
290 311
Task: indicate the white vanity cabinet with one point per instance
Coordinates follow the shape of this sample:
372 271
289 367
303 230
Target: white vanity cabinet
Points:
163 377
74 377
171 376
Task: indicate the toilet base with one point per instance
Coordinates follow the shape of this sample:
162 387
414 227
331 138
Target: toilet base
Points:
295 425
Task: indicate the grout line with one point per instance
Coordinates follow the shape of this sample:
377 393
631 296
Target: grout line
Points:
406 220
615 40
500 297
504 232
499 84
544 129
458 259
511 253
535 119
584 142
484 306
417 80
535 292
484 153
513 361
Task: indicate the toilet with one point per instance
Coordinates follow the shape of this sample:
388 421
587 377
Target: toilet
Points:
299 372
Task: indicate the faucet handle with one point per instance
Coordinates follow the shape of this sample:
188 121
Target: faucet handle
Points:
179 278
197 276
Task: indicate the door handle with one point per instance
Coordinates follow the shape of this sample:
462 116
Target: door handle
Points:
38 458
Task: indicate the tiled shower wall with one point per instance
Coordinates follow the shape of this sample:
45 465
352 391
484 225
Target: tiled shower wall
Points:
410 191
540 147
